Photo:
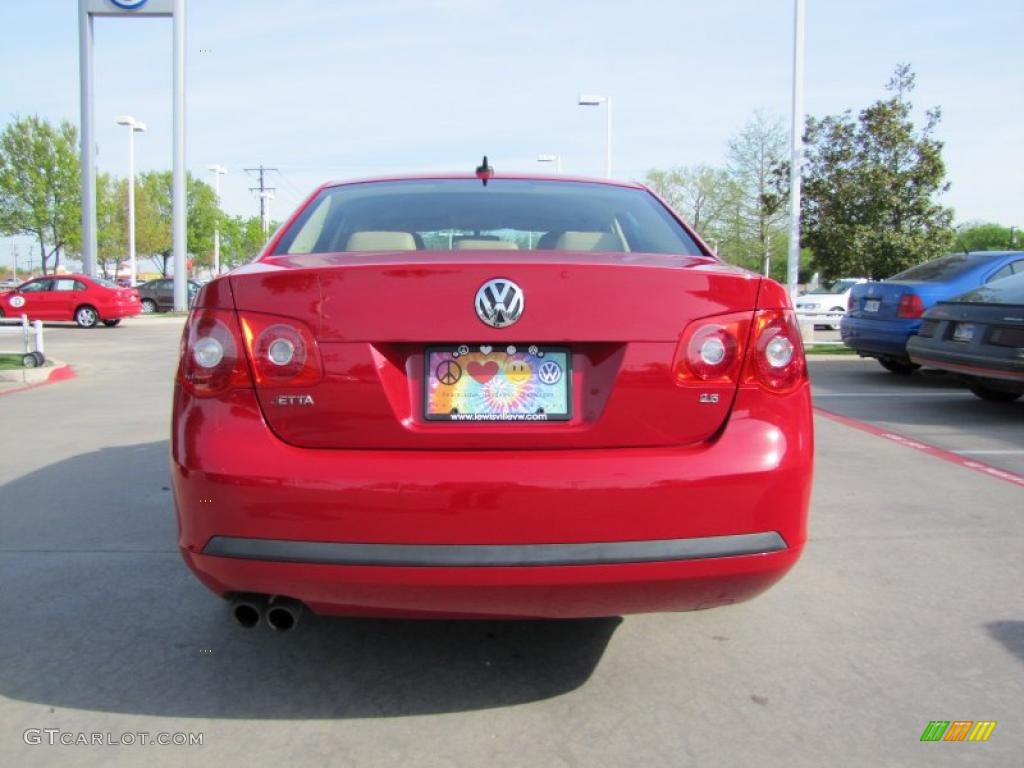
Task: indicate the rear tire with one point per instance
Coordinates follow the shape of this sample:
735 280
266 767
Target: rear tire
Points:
86 316
148 306
29 360
991 395
112 323
898 366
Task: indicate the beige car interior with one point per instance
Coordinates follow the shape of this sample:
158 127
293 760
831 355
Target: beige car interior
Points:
588 241
384 240
380 240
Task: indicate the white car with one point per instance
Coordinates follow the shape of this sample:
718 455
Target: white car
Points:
826 306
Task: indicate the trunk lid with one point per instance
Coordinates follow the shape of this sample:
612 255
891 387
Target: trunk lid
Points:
620 316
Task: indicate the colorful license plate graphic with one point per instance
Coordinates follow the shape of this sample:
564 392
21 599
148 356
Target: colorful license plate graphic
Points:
474 382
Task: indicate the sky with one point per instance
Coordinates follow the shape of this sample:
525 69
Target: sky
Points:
334 89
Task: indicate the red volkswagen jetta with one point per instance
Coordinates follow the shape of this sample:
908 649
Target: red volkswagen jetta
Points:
86 300
532 397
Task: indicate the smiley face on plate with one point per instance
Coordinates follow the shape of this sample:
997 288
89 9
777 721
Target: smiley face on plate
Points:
518 371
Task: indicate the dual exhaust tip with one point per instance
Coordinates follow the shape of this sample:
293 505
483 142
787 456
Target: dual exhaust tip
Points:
282 614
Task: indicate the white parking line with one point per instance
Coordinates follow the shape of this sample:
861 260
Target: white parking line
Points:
990 452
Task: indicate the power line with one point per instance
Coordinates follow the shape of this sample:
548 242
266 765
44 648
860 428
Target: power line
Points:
265 194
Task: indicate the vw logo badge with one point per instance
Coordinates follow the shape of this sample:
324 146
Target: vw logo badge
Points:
499 302
129 5
550 372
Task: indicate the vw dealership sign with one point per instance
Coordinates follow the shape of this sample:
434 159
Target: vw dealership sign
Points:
88 10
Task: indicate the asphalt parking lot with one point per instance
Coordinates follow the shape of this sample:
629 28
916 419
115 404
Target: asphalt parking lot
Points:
907 607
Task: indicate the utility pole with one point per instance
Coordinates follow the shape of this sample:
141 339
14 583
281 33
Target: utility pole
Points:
218 171
265 194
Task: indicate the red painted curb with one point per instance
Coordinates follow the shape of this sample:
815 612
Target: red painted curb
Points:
917 445
61 372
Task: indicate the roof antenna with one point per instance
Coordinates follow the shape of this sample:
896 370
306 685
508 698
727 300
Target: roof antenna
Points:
484 171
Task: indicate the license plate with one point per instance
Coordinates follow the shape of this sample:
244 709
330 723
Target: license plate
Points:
871 305
474 382
963 332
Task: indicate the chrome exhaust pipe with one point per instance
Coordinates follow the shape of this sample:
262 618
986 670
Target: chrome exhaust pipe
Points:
247 610
283 614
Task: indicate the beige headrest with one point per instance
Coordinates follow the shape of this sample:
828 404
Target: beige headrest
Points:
379 240
588 241
485 245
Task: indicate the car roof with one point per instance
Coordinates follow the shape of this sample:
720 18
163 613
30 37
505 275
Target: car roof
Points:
562 178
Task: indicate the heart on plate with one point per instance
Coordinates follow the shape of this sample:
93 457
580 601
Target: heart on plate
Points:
486 349
483 372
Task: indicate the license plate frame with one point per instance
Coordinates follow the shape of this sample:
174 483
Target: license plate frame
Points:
872 305
964 332
457 359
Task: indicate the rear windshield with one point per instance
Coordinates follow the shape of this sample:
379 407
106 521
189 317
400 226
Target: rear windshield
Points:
1009 290
463 214
945 268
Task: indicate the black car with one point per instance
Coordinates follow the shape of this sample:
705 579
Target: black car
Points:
158 295
980 336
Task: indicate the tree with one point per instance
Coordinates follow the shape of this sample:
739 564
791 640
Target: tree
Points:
984 236
40 185
870 185
153 210
757 165
703 195
241 239
111 221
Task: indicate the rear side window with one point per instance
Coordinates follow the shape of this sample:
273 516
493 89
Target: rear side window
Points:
945 268
507 214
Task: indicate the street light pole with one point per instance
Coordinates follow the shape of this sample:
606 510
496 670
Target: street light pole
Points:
218 171
796 156
134 126
594 100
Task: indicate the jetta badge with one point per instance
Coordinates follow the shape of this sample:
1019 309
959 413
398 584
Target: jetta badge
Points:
500 302
293 400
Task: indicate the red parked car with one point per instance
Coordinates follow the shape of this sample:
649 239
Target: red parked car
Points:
85 300
534 397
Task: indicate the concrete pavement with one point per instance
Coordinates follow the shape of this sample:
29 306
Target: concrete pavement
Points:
906 608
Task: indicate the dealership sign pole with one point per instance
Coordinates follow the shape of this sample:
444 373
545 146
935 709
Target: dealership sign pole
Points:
87 11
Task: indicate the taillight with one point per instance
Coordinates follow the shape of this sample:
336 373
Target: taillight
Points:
212 360
851 303
711 350
910 306
776 357
283 351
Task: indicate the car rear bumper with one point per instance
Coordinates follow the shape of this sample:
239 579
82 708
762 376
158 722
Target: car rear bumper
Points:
493 533
818 317
875 338
944 356
117 312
